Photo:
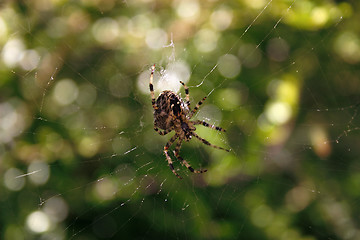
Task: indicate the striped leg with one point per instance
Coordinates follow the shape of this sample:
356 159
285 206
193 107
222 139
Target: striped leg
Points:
162 133
168 158
207 143
151 86
187 94
198 122
197 107
184 162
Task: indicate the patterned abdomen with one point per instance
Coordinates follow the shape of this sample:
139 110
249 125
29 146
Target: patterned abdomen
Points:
169 107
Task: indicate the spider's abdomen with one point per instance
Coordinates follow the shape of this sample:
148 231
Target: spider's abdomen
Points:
169 107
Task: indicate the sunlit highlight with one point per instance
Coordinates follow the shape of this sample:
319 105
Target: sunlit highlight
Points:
319 16
278 112
168 79
38 222
12 52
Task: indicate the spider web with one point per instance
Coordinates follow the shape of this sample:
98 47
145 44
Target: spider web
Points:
79 157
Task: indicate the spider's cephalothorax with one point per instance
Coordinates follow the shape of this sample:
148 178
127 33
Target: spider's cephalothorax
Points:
172 113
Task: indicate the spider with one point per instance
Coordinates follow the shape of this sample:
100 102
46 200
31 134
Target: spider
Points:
172 113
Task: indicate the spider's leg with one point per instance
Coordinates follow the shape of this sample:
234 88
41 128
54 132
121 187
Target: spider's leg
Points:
207 142
198 122
168 158
197 107
183 161
162 133
151 86
187 94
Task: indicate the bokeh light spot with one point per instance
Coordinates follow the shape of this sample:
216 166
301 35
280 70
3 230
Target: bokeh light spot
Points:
169 79
188 8
174 73
105 30
3 30
12 120
139 25
105 189
277 49
57 28
65 92
262 216
249 55
256 4
13 180
320 141
29 60
221 19
38 222
278 112
319 16
39 172
347 46
56 208
209 112
12 52
206 40
229 66
88 146
156 38
87 95
230 99
298 198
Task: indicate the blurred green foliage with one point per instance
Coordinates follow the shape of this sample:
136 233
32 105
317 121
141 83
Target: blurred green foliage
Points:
78 155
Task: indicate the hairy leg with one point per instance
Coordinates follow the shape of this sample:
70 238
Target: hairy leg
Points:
197 107
198 122
183 161
168 158
207 142
151 86
187 94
